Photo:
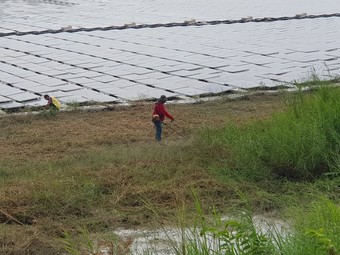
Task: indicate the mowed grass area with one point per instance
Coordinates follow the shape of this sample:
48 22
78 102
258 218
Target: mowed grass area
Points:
102 170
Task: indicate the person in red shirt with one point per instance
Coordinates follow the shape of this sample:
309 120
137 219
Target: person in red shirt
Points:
158 116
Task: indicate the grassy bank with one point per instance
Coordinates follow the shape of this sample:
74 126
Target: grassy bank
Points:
303 142
99 171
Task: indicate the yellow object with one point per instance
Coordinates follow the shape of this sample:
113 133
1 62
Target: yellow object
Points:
56 103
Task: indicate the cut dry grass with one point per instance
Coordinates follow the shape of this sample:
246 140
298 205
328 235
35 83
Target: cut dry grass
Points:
45 137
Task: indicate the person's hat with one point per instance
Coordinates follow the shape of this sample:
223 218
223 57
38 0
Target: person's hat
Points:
162 99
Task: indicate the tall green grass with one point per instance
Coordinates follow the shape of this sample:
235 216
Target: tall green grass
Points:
316 230
312 231
301 142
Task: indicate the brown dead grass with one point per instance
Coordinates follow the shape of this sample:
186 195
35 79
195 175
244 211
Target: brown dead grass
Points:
130 189
44 138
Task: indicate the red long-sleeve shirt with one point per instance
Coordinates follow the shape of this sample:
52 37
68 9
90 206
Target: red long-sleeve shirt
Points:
161 111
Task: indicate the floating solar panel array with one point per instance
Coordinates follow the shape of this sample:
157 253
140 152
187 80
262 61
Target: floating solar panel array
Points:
141 64
36 15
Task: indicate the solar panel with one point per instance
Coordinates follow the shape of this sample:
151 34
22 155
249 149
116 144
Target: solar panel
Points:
101 64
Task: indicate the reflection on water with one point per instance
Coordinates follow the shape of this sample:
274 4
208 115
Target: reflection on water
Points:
94 13
3 6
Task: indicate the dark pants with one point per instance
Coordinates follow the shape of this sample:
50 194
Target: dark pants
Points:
158 125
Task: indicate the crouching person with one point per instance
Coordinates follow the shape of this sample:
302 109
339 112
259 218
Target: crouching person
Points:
52 104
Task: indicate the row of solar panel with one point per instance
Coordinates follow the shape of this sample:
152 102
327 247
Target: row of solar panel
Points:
142 64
